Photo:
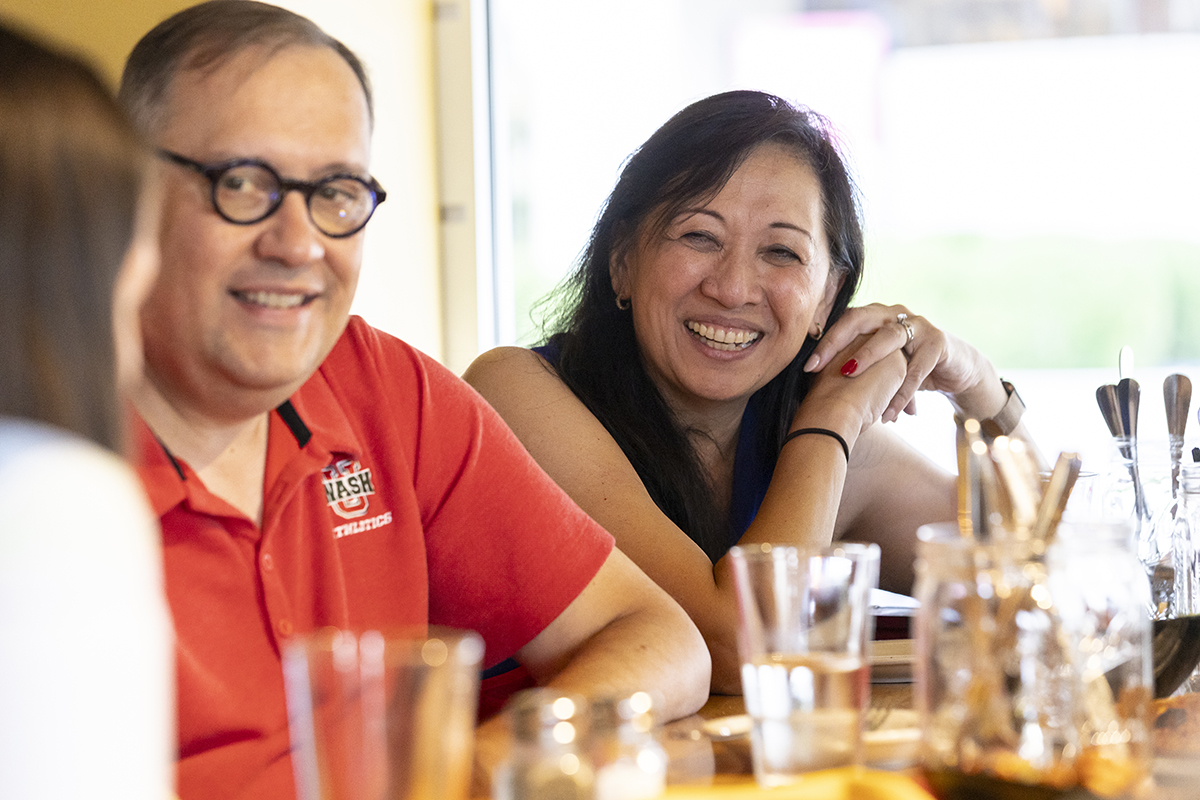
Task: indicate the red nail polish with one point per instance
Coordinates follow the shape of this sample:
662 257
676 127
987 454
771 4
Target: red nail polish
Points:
849 367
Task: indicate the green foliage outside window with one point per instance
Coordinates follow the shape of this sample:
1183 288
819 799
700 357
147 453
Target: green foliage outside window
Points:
1048 302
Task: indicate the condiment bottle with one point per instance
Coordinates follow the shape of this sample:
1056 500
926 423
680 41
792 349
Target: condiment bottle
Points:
1101 590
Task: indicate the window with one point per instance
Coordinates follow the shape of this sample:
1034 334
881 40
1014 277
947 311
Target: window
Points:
1028 166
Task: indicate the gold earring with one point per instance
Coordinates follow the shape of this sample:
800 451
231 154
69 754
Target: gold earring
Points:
820 333
623 303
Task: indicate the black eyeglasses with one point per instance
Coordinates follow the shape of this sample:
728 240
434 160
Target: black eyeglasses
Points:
246 191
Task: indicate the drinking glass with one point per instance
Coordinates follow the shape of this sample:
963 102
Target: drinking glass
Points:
376 715
1140 492
803 629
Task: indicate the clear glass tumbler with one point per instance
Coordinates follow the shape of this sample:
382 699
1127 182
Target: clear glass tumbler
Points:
803 628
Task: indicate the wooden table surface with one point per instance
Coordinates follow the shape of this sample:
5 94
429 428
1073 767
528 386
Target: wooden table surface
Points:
698 760
695 758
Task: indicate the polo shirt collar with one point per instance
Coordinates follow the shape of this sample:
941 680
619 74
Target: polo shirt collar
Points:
311 422
163 476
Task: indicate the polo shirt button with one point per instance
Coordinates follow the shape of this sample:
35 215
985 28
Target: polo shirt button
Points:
268 563
284 627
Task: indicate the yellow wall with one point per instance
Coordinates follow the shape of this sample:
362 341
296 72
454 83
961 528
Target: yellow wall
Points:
103 31
400 289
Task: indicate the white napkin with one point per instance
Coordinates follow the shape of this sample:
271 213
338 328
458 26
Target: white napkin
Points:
890 604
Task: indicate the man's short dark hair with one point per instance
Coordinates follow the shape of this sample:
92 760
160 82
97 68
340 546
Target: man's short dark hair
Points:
206 36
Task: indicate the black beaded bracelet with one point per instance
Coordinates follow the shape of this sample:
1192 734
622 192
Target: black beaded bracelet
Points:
822 432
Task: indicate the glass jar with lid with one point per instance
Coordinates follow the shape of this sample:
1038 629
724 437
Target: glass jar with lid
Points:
549 758
629 763
1033 668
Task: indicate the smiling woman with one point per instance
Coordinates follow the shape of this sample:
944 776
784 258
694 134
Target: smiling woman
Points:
708 383
727 292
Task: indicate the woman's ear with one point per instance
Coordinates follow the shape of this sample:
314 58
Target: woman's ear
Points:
618 271
833 285
623 244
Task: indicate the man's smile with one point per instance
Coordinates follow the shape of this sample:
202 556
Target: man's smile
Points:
277 300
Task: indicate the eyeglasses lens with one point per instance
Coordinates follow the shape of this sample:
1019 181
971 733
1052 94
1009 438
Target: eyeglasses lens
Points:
340 205
246 193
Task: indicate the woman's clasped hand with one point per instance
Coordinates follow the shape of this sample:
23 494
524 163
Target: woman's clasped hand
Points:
935 360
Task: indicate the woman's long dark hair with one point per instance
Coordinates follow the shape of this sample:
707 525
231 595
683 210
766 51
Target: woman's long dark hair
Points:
689 160
71 170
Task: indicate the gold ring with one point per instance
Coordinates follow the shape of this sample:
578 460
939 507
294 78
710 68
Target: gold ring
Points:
902 318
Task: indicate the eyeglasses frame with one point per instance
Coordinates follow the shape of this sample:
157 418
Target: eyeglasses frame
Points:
214 172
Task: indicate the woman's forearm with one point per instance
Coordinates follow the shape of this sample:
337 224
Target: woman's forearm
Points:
800 508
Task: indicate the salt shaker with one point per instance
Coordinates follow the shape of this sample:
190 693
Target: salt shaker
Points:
629 762
548 760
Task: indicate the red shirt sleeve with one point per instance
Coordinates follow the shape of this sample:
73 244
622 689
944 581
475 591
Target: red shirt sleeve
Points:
507 549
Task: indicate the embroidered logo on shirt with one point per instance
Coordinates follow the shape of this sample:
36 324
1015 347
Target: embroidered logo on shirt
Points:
348 488
362 525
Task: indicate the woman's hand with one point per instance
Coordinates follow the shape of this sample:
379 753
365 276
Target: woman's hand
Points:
937 360
849 403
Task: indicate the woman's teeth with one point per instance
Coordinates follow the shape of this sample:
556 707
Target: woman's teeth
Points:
722 339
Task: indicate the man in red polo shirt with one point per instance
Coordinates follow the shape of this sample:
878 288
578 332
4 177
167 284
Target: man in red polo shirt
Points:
308 469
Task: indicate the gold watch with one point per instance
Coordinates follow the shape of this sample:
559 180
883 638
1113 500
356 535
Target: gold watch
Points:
1007 418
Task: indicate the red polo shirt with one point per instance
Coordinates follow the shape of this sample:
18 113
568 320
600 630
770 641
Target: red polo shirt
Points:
393 495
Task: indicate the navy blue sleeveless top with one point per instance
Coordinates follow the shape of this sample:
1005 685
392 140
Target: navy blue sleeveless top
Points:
752 464
752 468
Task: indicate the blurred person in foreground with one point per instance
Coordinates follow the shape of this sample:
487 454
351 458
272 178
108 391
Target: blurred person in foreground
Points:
310 470
86 697
707 382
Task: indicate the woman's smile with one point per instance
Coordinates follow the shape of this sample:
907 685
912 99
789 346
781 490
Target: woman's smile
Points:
720 338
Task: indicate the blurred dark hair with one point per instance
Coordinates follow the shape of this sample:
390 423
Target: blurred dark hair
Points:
205 37
687 162
71 169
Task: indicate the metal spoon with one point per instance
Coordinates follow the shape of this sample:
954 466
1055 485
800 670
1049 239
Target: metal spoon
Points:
1118 405
1128 397
1106 398
1125 362
1177 395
